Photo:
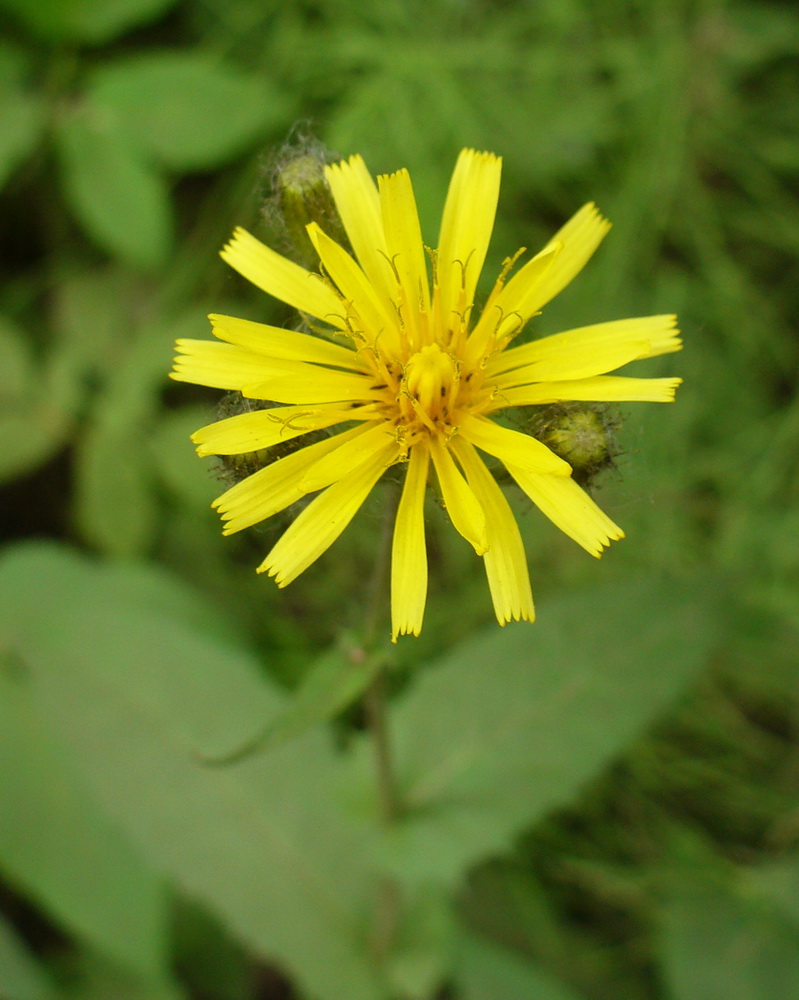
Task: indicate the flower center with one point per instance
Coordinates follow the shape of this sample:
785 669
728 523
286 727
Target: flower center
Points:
429 387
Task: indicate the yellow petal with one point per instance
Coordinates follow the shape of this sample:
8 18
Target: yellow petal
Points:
649 336
273 488
358 204
591 361
409 552
282 278
462 505
368 316
498 322
527 292
259 429
570 508
222 366
323 520
512 446
603 388
339 463
406 250
466 228
505 561
274 342
311 385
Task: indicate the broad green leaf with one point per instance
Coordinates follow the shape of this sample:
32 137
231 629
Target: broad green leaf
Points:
16 372
21 976
21 125
779 882
328 688
510 725
185 108
209 962
15 64
91 21
90 977
93 316
421 954
720 944
194 482
62 851
120 200
115 467
486 971
34 417
140 697
114 501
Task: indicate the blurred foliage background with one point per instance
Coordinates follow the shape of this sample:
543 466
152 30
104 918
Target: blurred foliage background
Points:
602 805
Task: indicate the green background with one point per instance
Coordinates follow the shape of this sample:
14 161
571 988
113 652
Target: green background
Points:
603 805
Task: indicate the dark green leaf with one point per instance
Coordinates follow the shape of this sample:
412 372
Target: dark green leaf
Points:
122 202
21 125
115 505
330 686
92 21
57 846
89 977
485 971
421 955
720 944
17 370
21 977
779 882
140 697
186 109
192 481
34 417
510 725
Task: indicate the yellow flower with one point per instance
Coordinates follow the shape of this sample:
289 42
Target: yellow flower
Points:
416 377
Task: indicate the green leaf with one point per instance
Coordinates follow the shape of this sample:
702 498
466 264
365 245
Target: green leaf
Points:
720 944
21 977
421 954
92 21
209 962
140 696
186 109
94 314
779 882
115 462
33 416
120 200
57 847
116 510
175 458
90 977
16 372
509 726
485 971
21 126
329 687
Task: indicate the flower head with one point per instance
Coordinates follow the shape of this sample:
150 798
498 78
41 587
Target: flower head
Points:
410 374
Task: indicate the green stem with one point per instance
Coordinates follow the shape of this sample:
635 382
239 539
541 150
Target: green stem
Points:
376 698
375 702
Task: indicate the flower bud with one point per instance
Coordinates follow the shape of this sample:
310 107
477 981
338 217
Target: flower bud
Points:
582 434
300 194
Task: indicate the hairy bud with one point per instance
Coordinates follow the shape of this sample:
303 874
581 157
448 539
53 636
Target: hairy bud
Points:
582 434
299 194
